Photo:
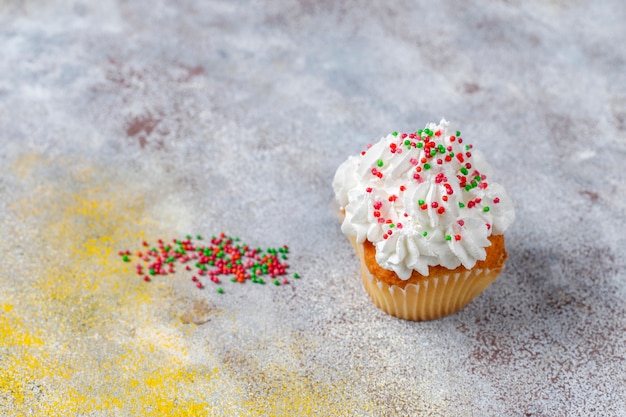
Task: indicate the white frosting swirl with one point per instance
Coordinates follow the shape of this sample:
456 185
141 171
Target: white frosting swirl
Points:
422 199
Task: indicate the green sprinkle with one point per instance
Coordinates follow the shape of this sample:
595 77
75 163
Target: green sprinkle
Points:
468 187
220 290
296 275
276 282
451 154
426 166
379 163
464 171
188 237
394 133
419 132
458 133
233 279
486 209
125 258
420 202
260 281
284 257
425 234
391 225
170 260
448 237
152 272
467 147
420 145
199 237
477 177
461 205
433 152
474 184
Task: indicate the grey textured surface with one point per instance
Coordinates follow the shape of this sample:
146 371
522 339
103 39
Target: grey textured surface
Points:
122 121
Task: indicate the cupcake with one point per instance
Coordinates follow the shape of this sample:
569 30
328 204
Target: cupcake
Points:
425 219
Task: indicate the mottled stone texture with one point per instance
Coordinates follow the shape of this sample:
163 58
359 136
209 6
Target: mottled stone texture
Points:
124 120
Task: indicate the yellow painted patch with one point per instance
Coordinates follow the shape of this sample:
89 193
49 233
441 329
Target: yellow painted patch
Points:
82 334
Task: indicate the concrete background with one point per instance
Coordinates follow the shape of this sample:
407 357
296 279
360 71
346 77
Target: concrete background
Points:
122 121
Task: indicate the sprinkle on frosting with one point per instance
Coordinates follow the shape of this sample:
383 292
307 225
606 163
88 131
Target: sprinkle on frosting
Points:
441 189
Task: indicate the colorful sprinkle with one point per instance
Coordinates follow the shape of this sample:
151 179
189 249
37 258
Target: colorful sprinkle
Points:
222 255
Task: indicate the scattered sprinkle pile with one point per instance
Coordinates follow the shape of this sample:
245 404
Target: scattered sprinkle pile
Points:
223 256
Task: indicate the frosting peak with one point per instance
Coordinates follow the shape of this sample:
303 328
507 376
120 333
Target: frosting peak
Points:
423 199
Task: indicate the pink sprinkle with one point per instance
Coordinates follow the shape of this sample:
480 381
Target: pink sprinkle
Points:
496 200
